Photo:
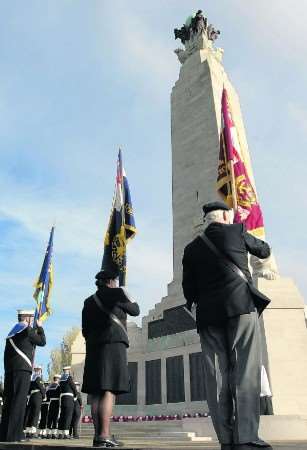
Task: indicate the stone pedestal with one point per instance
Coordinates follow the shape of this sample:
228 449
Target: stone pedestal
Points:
286 338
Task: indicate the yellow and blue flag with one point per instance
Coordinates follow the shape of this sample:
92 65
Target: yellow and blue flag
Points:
44 284
121 226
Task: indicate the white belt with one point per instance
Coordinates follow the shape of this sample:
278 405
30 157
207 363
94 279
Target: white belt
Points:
34 391
70 394
20 352
54 398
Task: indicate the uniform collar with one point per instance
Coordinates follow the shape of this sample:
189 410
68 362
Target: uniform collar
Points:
17 328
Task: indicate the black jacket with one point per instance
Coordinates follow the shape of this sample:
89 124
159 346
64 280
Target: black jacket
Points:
35 385
218 292
98 327
53 391
26 342
68 386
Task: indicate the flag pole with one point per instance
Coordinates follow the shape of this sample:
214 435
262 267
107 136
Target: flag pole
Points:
233 185
123 210
228 142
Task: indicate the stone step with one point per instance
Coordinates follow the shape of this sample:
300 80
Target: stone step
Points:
137 427
163 437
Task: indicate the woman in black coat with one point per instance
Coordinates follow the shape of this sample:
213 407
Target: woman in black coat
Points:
104 328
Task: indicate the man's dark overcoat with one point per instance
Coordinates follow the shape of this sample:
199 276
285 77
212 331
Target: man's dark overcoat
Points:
218 292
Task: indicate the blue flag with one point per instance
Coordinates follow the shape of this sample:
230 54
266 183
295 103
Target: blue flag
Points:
121 227
44 284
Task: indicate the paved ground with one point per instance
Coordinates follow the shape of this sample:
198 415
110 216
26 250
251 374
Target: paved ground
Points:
86 443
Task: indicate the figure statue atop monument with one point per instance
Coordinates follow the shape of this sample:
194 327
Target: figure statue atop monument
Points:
194 26
196 34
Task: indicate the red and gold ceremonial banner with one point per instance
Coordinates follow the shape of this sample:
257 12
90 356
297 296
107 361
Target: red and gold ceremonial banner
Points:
233 182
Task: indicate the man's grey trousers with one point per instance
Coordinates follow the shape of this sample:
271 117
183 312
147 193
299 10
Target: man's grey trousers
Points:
232 364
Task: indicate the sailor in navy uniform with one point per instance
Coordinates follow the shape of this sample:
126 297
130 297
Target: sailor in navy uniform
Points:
74 427
18 358
68 392
37 392
44 414
53 396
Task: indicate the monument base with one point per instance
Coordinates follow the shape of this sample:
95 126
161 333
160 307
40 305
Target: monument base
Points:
272 428
286 341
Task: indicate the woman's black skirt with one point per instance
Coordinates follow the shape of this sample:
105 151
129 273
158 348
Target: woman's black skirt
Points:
106 369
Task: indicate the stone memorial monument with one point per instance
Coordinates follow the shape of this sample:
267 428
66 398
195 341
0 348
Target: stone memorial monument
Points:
164 354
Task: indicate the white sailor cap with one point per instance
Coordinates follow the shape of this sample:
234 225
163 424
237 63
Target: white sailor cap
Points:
37 367
25 312
56 375
67 368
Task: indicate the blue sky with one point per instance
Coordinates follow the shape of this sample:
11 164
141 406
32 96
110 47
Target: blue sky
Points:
78 79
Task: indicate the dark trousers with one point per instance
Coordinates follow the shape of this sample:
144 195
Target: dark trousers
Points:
53 414
232 365
44 415
74 427
34 408
67 409
16 388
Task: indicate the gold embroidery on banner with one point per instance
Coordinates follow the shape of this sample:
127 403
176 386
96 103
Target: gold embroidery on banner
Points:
245 193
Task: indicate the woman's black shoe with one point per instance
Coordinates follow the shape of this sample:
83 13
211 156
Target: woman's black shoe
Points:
116 442
104 443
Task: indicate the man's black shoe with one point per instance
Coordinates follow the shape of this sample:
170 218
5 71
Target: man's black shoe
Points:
260 444
226 446
252 446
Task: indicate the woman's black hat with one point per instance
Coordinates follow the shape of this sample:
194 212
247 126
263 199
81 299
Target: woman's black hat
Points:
106 274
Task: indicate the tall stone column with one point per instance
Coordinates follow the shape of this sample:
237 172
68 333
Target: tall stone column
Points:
195 132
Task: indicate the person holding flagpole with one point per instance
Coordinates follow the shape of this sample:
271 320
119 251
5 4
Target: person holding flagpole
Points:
216 277
104 317
104 328
18 361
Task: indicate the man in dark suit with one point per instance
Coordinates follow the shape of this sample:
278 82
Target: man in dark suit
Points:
18 358
227 322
